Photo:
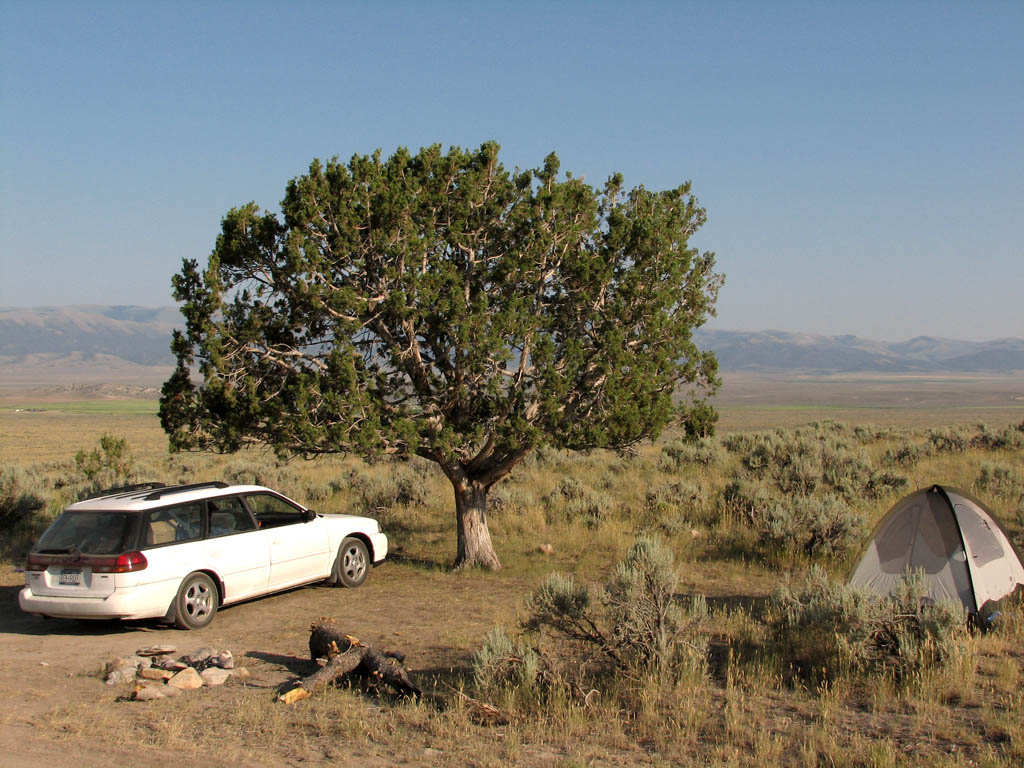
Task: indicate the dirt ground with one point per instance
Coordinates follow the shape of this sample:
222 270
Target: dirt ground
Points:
49 665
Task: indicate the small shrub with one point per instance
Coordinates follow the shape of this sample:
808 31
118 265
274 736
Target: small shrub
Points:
826 630
21 502
740 443
572 500
799 475
704 452
700 421
906 455
504 664
245 472
949 440
792 460
813 527
830 427
671 507
1007 439
1000 480
637 624
882 483
400 485
108 466
747 500
872 433
846 471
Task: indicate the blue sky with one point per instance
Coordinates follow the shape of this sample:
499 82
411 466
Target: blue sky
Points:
862 163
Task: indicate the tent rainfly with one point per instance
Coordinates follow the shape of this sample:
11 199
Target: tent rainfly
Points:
953 539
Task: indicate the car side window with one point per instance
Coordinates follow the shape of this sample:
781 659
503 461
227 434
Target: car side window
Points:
173 524
271 512
227 516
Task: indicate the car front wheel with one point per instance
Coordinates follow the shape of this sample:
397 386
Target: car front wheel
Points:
353 563
196 603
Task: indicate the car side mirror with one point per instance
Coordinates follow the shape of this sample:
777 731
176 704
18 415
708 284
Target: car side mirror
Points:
308 516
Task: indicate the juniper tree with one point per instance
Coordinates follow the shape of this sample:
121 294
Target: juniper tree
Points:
439 305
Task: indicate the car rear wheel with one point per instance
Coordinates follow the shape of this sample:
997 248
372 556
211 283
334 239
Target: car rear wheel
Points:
353 563
196 603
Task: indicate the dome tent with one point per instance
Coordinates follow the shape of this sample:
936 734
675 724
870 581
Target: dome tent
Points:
953 539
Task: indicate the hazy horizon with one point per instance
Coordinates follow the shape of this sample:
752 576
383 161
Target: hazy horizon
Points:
708 328
862 165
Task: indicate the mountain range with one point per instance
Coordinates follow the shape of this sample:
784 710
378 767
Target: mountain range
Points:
116 337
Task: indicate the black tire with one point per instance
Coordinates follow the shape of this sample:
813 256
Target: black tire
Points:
352 565
196 603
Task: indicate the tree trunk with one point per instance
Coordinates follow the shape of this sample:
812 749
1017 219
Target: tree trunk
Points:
475 548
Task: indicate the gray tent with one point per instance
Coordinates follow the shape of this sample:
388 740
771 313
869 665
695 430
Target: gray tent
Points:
953 538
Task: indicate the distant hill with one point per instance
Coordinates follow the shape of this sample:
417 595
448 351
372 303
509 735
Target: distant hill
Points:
97 343
778 351
137 335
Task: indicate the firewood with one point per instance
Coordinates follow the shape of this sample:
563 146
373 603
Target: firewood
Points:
347 656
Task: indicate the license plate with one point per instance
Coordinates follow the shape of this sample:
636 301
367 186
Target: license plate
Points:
72 576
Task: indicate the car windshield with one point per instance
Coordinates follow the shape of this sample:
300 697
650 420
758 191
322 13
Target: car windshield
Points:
91 533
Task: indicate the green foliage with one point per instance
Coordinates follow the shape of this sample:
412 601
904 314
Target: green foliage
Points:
440 305
700 421
826 630
108 465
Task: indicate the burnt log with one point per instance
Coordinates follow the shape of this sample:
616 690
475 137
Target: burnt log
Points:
346 656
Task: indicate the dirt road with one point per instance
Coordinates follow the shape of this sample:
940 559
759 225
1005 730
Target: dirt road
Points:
51 668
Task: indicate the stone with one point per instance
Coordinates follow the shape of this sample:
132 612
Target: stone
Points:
188 679
156 650
224 660
149 693
198 656
240 672
173 666
215 676
120 670
294 695
153 673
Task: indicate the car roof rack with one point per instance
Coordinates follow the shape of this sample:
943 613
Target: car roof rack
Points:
161 492
134 487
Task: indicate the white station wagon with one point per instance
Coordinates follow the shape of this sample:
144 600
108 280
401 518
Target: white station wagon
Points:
180 552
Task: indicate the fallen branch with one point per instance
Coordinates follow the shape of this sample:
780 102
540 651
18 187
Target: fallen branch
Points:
346 656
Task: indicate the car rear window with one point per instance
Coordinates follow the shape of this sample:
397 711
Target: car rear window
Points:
169 525
91 533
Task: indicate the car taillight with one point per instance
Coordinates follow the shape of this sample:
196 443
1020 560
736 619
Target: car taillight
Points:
126 563
37 562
